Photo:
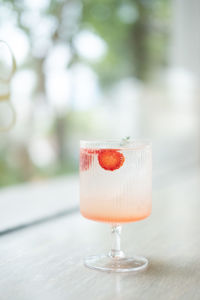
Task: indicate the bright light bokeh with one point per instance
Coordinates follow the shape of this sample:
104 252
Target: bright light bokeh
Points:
90 45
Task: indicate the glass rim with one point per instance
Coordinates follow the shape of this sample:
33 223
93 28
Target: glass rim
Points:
132 144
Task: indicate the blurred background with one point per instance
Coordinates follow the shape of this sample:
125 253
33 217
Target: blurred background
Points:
94 69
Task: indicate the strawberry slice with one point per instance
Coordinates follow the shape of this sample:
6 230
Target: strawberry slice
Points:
85 160
86 156
110 159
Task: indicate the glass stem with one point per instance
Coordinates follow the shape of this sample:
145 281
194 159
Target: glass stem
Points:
116 241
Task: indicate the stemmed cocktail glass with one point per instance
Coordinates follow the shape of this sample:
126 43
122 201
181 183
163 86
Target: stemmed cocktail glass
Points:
116 188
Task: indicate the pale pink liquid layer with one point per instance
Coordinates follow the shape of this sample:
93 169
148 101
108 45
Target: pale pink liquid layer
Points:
113 212
115 219
118 196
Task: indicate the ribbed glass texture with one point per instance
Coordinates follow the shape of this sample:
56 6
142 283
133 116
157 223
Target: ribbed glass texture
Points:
120 195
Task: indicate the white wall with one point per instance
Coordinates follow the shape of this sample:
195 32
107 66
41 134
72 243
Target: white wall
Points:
185 44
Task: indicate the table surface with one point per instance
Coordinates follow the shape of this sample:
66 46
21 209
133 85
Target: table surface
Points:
45 260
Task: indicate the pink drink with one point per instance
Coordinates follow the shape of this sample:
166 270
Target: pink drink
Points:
120 195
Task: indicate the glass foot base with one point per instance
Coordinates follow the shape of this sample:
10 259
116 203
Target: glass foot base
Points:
108 264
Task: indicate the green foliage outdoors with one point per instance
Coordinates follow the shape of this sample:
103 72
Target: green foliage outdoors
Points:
136 34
